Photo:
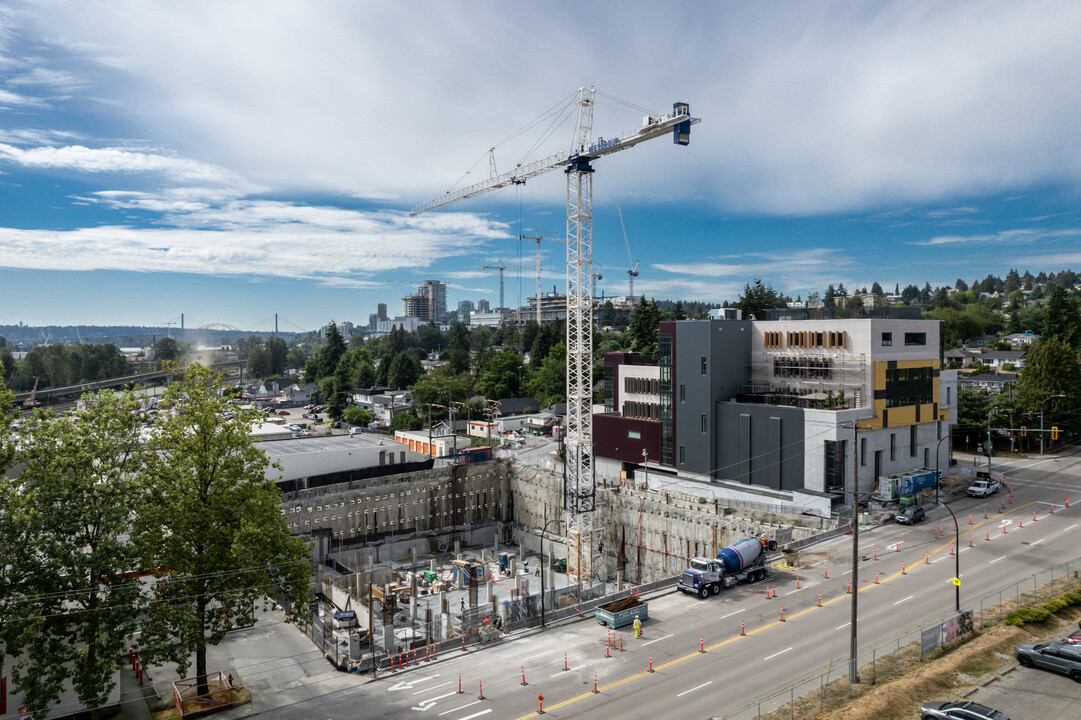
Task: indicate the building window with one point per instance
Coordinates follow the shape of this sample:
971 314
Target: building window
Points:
609 388
863 452
683 393
915 338
704 428
949 395
887 339
893 446
912 441
703 365
664 361
634 435
835 465
682 454
909 386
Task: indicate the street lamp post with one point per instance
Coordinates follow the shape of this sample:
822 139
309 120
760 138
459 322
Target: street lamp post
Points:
544 568
956 529
1041 417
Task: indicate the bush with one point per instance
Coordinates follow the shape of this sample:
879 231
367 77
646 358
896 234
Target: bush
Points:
1027 615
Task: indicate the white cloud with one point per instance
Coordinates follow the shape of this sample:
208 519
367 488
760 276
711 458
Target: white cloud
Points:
255 239
1020 235
14 99
807 109
115 160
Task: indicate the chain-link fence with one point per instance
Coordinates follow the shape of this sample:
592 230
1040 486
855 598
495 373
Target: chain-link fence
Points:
809 698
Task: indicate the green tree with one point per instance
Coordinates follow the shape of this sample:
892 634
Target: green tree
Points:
279 355
210 514
759 297
502 379
437 387
296 359
644 328
1062 320
548 383
167 350
1051 368
406 421
73 614
404 370
354 415
332 351
259 362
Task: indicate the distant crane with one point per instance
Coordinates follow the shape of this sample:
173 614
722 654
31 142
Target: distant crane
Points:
32 401
593 288
538 237
500 267
632 264
579 476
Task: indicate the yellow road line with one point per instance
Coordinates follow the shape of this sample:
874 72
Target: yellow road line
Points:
754 631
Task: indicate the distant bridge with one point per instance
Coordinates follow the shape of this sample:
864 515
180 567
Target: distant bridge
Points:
115 382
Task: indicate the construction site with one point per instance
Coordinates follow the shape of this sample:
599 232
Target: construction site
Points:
467 554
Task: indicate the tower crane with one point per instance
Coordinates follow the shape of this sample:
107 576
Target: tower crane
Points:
632 264
538 237
579 477
500 267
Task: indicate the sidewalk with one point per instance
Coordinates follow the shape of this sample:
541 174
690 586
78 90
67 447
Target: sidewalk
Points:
133 697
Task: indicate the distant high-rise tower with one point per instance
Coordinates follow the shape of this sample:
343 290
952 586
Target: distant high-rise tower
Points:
465 308
437 299
483 306
381 311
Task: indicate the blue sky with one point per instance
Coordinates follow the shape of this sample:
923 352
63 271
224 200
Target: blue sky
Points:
232 160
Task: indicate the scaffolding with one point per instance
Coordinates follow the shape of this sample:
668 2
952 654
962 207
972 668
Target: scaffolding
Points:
833 380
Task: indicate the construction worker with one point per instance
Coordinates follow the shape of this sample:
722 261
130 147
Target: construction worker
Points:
637 627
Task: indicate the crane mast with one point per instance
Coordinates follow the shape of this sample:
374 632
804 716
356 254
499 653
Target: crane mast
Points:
500 267
579 477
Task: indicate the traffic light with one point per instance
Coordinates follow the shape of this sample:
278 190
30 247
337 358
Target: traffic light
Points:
1054 432
1024 431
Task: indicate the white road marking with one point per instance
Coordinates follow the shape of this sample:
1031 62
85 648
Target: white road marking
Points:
657 640
430 702
794 591
845 625
777 653
737 612
708 682
460 707
474 715
1070 528
846 572
904 599
408 685
1039 541
433 687
997 559
534 656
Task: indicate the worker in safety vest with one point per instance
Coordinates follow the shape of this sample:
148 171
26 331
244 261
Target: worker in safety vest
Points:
637 627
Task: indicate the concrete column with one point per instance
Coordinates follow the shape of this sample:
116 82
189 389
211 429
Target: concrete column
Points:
619 580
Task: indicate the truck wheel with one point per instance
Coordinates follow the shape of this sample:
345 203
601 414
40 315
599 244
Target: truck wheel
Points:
761 574
715 588
702 592
752 577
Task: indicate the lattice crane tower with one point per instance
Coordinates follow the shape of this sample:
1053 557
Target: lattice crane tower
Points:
579 480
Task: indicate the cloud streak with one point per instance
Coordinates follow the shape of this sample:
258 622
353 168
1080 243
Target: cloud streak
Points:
254 239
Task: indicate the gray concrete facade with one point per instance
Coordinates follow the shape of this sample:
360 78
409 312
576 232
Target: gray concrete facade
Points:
760 445
710 364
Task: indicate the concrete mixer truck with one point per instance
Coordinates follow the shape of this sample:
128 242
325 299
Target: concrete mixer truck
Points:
743 560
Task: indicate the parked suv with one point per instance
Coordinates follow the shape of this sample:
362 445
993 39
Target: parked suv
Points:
1058 656
910 515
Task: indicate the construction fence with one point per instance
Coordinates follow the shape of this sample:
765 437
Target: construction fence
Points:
810 697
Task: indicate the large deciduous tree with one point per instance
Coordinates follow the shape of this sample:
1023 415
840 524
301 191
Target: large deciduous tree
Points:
1051 368
72 607
210 514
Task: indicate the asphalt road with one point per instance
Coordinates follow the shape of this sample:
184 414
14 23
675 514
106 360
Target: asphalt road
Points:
735 670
